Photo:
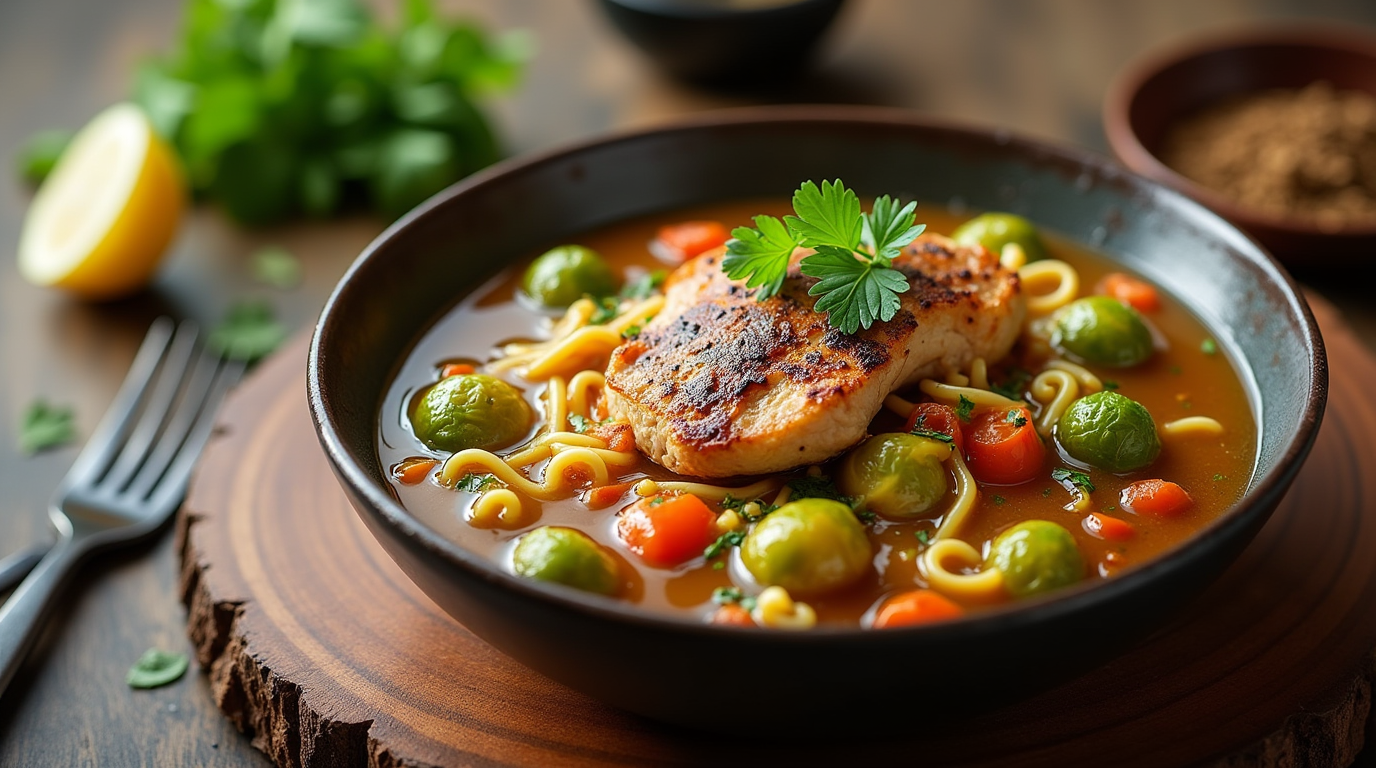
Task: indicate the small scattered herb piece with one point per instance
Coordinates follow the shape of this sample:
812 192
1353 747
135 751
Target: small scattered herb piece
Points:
1208 347
1074 477
723 543
1046 493
249 332
631 332
1218 477
644 286
45 426
277 267
607 308
942 436
816 487
733 596
999 500
865 516
476 483
156 668
1111 508
581 424
1110 385
1016 418
739 506
1012 387
40 154
965 407
656 501
719 565
924 537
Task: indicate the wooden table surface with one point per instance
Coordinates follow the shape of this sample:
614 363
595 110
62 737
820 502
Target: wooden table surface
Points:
1038 68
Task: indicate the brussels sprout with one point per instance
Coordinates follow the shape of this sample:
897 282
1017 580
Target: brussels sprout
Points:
1102 330
1036 556
566 556
471 410
809 546
995 230
898 475
1109 431
561 276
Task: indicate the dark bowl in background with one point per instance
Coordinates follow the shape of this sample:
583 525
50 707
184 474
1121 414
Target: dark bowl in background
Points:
715 42
1162 87
678 669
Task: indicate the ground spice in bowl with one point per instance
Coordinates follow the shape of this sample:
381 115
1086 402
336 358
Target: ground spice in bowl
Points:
1306 154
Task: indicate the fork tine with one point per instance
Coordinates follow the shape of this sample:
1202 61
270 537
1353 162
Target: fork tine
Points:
104 441
171 487
155 410
179 425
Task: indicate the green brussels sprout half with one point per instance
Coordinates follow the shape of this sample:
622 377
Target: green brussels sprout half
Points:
1110 432
898 475
569 557
471 410
563 275
995 230
809 547
1036 556
1103 331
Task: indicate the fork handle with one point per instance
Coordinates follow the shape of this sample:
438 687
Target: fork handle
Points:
22 617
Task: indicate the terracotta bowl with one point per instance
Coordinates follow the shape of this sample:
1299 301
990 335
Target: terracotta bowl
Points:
679 669
1159 89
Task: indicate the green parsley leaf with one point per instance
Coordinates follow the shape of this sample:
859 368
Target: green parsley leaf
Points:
739 507
723 543
888 228
607 309
276 267
656 501
829 216
249 332
631 332
476 483
156 668
816 487
579 423
932 435
40 153
854 293
1073 477
1016 418
999 500
45 426
924 537
964 408
1208 347
733 596
1218 477
1046 493
1012 387
1110 385
760 256
644 286
1111 508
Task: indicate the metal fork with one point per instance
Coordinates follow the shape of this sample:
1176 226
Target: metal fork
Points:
130 477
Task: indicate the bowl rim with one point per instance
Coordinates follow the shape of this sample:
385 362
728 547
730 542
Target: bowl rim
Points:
1125 89
1261 497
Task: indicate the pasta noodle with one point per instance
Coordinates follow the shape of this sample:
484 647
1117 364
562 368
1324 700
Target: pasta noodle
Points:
580 387
899 406
555 484
1055 390
966 495
951 395
1012 256
1088 381
575 345
498 508
945 563
556 405
1050 284
979 374
1191 426
718 492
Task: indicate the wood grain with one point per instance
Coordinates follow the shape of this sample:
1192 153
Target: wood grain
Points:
320 649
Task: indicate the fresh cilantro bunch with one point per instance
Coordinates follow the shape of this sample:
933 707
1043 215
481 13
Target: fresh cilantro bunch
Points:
853 259
279 107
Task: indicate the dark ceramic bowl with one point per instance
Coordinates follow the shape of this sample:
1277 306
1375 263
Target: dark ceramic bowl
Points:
1163 87
715 42
686 672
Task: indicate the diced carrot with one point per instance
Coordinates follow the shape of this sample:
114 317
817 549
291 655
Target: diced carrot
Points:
919 606
607 495
667 530
1003 446
936 417
1131 291
681 242
1107 527
456 369
732 615
1158 498
413 471
618 436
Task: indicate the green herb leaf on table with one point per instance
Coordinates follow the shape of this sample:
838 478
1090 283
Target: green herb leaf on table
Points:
40 153
156 668
276 267
45 426
1073 477
249 332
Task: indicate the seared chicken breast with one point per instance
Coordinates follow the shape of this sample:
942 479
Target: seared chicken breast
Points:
720 384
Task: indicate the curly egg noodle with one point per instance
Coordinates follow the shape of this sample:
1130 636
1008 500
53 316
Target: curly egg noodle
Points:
561 460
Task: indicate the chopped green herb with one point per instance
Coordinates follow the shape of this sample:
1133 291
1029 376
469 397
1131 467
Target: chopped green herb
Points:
1012 387
249 332
156 668
1016 418
738 505
1110 385
1046 493
656 501
581 424
818 487
45 426
476 483
852 259
865 516
733 596
1218 477
607 309
999 500
932 434
1111 508
1208 347
631 332
644 286
924 537
1073 477
723 543
277 267
719 565
965 407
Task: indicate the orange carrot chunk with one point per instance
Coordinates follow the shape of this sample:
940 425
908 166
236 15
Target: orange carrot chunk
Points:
1131 291
1107 527
1003 447
935 417
681 242
1158 498
732 615
667 530
919 606
413 471
456 369
607 495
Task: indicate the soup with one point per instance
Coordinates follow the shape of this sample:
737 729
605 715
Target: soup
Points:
1113 429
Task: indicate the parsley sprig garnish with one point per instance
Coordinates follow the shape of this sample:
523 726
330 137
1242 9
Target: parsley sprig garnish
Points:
854 253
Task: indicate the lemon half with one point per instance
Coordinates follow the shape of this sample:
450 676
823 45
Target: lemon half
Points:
100 223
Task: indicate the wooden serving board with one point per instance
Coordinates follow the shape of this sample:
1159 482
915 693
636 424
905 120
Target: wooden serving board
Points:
324 653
